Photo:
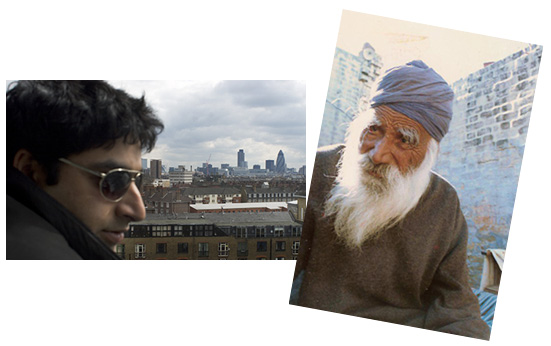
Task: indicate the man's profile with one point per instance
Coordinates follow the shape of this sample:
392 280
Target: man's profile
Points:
384 236
73 167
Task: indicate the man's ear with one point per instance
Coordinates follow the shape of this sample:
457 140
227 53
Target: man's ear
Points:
25 162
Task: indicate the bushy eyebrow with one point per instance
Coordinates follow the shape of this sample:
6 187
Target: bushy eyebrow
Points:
410 134
374 121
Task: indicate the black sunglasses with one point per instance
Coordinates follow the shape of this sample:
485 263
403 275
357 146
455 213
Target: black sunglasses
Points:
115 183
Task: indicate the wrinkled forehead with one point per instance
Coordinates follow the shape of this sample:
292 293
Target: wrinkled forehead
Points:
391 119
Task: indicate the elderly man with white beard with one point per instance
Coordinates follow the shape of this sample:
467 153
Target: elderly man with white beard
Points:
384 236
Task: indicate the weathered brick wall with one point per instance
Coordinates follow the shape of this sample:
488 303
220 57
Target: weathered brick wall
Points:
482 153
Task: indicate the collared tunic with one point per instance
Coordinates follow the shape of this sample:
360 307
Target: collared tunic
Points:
414 273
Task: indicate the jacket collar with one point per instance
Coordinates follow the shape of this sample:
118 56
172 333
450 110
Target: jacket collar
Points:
80 238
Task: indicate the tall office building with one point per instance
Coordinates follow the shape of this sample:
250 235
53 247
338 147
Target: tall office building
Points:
281 167
270 165
156 168
144 164
351 79
240 158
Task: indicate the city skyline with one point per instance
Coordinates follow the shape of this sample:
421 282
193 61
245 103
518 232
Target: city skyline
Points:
146 164
214 119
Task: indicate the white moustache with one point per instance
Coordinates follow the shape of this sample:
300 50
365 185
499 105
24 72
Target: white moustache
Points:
367 206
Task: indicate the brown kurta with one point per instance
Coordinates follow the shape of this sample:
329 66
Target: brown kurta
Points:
413 274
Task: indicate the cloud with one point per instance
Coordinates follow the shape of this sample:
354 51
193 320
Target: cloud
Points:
263 93
217 118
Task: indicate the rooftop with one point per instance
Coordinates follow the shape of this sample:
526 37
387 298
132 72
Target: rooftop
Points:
232 206
219 219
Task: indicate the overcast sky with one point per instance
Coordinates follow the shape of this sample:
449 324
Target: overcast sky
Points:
217 118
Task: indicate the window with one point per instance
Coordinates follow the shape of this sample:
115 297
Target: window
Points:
139 251
260 232
280 246
242 249
297 231
223 249
120 250
182 247
241 232
296 246
261 246
279 231
161 247
203 249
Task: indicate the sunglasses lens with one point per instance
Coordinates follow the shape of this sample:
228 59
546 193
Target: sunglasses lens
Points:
115 185
138 180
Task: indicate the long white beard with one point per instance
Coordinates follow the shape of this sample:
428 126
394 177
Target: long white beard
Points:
365 206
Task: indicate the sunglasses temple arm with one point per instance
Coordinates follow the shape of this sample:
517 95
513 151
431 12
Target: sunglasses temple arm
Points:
97 174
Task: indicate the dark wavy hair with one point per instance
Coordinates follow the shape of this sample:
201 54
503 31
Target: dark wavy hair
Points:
53 119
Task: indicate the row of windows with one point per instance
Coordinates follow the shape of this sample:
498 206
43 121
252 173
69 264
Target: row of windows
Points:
279 232
141 231
181 234
203 248
162 204
172 227
214 195
261 195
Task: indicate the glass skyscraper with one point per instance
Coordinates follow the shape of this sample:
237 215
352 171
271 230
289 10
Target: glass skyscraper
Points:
281 167
241 158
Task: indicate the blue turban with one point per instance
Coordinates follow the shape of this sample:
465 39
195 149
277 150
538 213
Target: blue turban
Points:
419 93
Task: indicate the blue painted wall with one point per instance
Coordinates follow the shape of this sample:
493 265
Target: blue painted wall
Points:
482 153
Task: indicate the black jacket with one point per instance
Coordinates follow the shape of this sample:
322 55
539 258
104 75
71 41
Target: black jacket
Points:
38 227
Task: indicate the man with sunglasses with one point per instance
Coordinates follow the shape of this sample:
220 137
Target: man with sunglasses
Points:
73 167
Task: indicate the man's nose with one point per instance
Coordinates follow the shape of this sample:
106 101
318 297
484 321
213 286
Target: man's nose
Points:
131 205
381 153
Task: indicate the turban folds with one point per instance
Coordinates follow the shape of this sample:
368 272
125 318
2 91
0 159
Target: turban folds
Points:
418 92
